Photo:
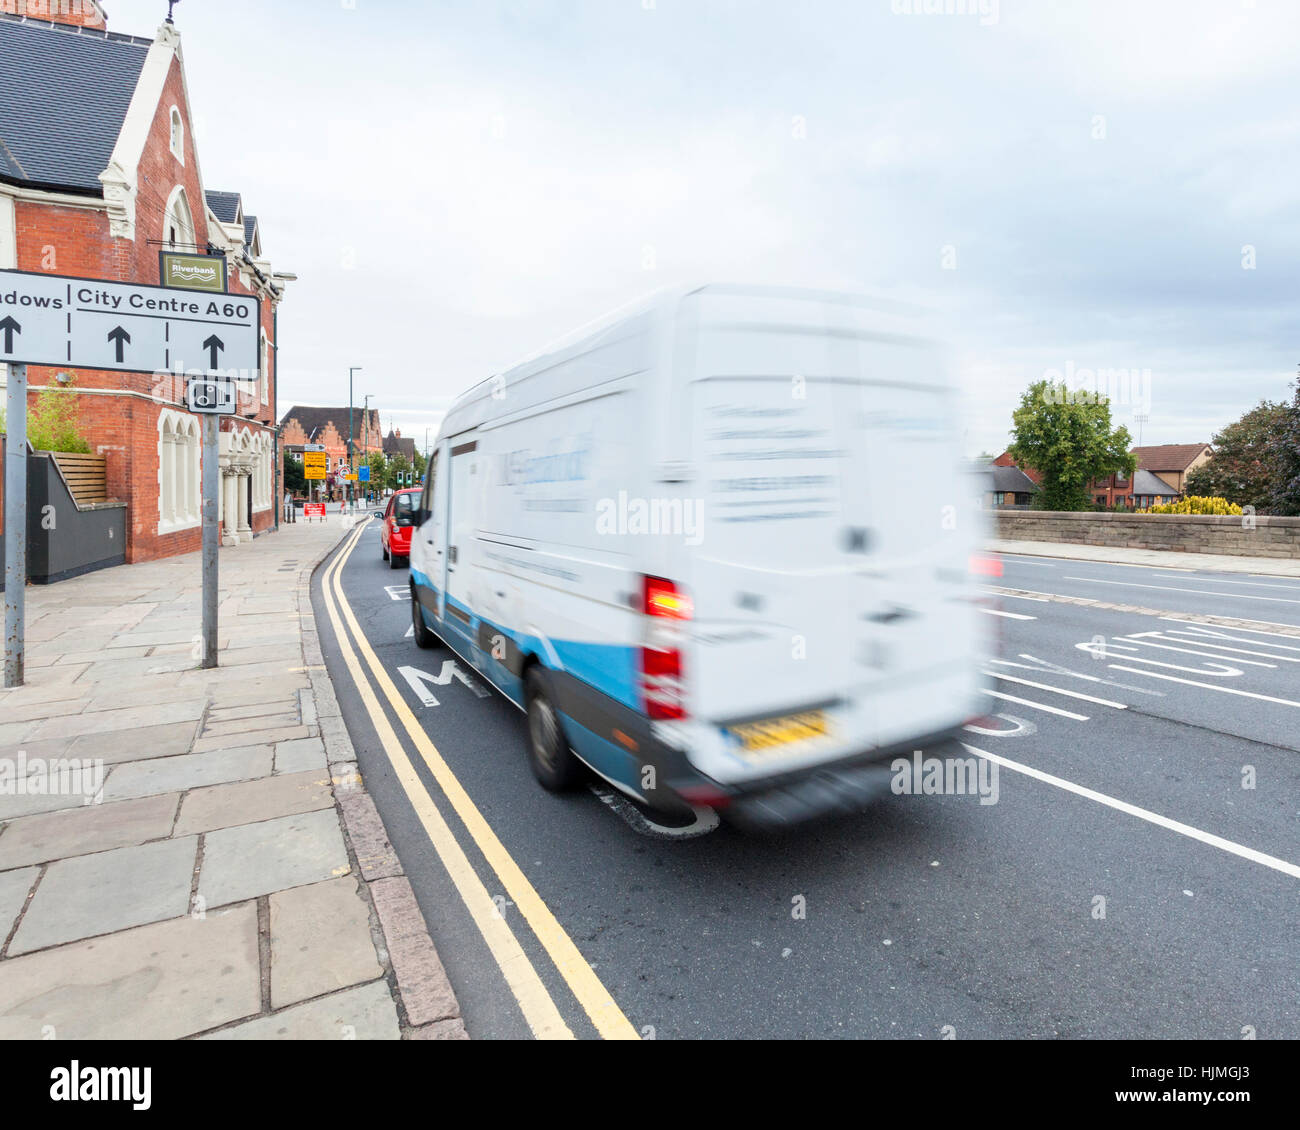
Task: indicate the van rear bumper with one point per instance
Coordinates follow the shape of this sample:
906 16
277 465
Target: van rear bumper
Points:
840 787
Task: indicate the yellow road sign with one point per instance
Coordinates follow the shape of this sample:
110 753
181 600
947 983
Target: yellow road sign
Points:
314 464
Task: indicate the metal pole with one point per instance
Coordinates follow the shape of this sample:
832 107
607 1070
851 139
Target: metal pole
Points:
15 523
211 487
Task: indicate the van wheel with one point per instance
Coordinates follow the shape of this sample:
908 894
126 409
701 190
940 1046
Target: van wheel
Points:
423 637
552 760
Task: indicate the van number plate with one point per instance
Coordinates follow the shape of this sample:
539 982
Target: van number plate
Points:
758 737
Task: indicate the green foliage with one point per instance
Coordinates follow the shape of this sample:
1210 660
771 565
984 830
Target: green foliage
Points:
1243 468
52 424
398 465
1066 436
1284 453
294 480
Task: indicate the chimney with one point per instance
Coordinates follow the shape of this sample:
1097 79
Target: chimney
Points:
73 13
398 433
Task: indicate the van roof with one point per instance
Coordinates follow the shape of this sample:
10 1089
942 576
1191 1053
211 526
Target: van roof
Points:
663 299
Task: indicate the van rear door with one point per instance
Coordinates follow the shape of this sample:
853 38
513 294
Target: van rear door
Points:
829 573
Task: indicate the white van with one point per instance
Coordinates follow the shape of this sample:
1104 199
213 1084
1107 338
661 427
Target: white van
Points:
717 546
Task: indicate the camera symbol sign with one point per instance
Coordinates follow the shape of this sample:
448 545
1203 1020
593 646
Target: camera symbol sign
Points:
216 397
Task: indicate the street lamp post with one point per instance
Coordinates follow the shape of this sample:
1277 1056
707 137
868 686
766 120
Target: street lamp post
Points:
365 436
354 369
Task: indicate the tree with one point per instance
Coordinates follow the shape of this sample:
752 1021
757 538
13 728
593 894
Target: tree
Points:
1065 435
52 424
398 467
294 480
420 465
378 469
1284 451
1243 467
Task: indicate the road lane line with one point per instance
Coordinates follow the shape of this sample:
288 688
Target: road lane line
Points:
1201 628
592 995
1057 690
1008 615
1141 638
540 1012
1209 838
1221 581
1206 686
1038 598
1039 706
1194 592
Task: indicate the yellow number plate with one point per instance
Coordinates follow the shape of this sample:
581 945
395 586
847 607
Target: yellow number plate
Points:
757 737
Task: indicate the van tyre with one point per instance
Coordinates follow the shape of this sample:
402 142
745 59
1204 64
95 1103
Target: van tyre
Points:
423 637
553 762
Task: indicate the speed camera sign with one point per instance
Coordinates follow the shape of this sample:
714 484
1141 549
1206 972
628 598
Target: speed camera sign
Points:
217 397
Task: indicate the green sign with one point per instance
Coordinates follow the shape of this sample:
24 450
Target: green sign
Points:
193 272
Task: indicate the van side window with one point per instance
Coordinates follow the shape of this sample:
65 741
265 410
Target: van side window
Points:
430 478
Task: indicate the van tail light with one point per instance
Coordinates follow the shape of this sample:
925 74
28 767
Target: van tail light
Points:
985 566
665 606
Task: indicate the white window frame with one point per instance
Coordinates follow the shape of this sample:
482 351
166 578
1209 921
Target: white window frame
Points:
178 472
176 134
182 221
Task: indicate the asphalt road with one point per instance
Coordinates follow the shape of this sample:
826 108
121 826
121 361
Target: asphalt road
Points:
1136 878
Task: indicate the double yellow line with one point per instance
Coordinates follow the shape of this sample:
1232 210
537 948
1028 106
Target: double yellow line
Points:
534 1000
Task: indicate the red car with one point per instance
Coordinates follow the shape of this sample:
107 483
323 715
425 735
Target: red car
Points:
399 521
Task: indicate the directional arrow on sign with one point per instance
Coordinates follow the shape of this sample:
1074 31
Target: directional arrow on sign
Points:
214 345
417 680
10 328
120 336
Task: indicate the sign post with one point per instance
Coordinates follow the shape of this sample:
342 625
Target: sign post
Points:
211 339
15 521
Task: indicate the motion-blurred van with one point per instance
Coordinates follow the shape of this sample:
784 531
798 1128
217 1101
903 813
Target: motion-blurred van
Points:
717 547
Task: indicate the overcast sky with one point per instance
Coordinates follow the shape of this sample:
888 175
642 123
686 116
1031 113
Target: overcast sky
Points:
1070 184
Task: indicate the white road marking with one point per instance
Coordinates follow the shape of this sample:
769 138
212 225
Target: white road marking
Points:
1023 727
1218 581
1008 615
1207 686
1039 706
1108 651
1057 690
1209 838
1142 638
1027 561
1195 592
398 592
1046 667
1193 626
410 631
417 680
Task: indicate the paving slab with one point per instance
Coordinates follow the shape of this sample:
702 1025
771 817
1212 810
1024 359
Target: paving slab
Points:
320 941
250 802
158 982
143 744
366 1012
186 771
14 886
126 718
90 828
255 859
252 737
300 755
111 890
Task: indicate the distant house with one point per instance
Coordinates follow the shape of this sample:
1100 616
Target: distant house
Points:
1167 466
396 444
1007 487
1150 490
328 427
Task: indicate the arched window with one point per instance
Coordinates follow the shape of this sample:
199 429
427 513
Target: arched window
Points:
178 222
178 471
177 136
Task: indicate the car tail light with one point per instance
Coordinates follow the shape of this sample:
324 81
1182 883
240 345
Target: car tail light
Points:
665 606
985 566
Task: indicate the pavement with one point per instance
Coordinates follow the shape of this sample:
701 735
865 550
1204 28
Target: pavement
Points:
1164 559
1134 875
191 853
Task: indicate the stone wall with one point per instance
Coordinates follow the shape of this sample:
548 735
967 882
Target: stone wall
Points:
1185 533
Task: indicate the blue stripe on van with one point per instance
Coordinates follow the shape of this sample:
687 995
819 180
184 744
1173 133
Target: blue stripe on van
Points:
612 669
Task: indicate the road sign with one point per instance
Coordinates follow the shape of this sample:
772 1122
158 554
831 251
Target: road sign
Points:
351 478
364 473
312 510
315 464
217 397
313 447
59 320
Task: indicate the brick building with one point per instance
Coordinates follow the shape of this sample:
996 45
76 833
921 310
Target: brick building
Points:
99 171
303 424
